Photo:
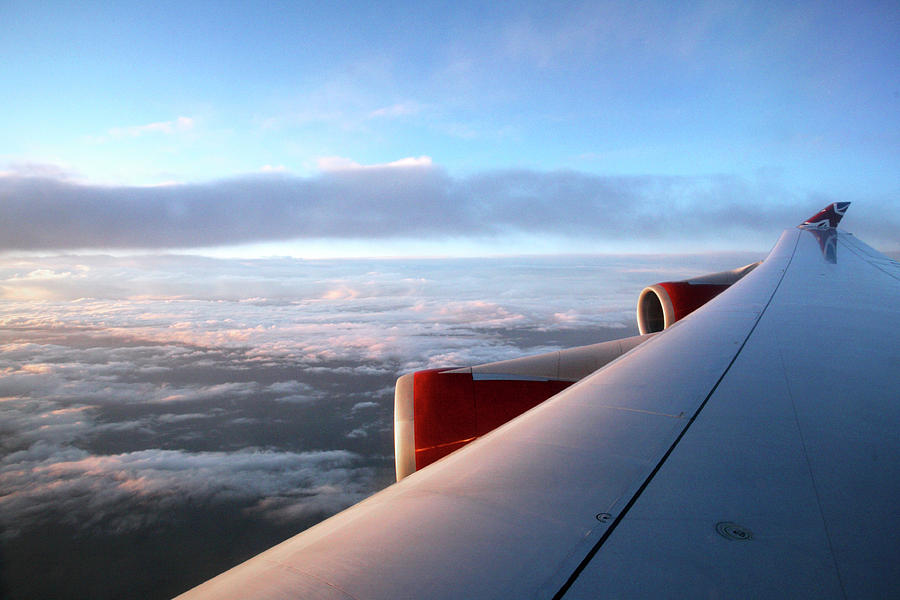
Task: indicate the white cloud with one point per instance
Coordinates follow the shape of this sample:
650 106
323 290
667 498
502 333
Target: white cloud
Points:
339 163
173 418
401 109
294 391
38 169
43 275
195 393
179 125
93 491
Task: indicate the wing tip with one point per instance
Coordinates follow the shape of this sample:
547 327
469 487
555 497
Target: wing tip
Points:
828 217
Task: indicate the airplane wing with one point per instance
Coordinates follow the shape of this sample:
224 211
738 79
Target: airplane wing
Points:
750 449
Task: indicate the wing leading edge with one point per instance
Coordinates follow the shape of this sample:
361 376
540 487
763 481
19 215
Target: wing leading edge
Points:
730 421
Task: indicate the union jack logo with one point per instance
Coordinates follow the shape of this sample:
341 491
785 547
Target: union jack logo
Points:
828 217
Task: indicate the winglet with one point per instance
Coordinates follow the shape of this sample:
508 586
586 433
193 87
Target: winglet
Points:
829 216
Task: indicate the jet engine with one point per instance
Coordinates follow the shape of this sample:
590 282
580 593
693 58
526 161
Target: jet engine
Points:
662 304
438 411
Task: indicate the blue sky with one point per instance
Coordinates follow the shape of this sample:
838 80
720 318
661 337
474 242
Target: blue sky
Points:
789 103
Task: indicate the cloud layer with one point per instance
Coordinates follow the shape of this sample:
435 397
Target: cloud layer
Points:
406 199
137 375
145 398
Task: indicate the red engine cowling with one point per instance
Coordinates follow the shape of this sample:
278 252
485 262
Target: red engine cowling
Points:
662 304
450 409
440 410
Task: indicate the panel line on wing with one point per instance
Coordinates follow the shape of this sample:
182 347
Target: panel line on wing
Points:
810 470
305 573
646 412
621 514
853 245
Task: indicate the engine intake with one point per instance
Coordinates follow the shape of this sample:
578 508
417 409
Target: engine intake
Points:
662 304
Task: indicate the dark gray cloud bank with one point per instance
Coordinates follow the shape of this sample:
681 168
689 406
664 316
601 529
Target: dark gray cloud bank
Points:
40 211
163 418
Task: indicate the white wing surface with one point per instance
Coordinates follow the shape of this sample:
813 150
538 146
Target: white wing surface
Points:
750 450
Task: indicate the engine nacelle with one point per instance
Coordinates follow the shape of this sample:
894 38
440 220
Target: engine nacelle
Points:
662 304
440 410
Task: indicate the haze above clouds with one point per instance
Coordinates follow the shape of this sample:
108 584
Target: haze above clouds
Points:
418 202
